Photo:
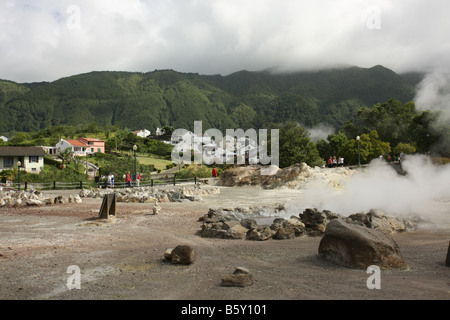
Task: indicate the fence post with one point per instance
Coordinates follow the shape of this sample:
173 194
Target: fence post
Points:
174 180
195 180
26 185
151 181
54 185
81 185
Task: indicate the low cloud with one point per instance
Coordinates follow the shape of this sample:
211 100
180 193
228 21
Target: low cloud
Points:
45 39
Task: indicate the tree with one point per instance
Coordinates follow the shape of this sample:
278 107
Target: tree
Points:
65 155
391 120
370 147
296 147
332 145
405 148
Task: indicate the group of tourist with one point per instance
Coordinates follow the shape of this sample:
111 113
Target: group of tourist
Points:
127 178
334 162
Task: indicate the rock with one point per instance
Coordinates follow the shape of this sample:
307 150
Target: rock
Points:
78 199
249 223
359 247
241 277
314 221
284 233
168 254
34 202
213 230
236 232
230 224
296 224
378 220
156 209
183 254
260 233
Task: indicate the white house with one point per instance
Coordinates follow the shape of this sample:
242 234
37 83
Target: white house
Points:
142 133
31 159
78 148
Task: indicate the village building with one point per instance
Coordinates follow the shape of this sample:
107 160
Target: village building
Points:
30 159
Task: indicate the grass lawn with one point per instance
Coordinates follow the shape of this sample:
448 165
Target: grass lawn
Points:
160 164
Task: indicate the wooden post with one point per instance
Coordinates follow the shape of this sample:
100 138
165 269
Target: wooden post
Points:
174 182
108 206
54 185
151 182
447 261
26 185
81 185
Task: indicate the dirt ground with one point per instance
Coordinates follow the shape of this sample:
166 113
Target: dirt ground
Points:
123 259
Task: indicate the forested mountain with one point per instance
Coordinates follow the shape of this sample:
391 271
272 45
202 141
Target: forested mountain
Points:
168 98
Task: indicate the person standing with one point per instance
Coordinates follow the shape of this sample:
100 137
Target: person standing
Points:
111 180
330 162
128 180
138 179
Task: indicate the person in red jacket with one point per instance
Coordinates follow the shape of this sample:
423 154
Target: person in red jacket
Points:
214 173
128 180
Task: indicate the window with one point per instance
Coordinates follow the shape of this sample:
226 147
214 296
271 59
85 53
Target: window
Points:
99 150
34 159
8 162
33 170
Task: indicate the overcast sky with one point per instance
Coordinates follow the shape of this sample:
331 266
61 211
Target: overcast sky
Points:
44 40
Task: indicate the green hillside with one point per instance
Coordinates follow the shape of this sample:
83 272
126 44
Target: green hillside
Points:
166 97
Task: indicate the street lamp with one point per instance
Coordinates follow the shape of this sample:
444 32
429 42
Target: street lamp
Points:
359 159
135 163
19 164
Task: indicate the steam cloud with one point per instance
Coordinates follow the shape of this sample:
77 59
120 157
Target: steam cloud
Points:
434 94
424 191
320 132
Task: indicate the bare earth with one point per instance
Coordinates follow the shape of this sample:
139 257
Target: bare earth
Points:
124 258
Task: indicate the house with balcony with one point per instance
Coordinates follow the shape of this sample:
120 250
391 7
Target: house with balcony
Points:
94 145
30 159
82 146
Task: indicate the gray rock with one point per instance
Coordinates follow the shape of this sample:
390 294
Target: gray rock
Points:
358 247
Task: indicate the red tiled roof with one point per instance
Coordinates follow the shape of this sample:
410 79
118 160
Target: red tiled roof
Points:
77 143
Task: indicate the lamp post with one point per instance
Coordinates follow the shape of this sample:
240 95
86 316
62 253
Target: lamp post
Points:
359 158
135 163
19 164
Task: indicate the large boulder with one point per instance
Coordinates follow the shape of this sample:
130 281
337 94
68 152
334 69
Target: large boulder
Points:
359 247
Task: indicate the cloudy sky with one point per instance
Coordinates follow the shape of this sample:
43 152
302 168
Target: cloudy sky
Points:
44 40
